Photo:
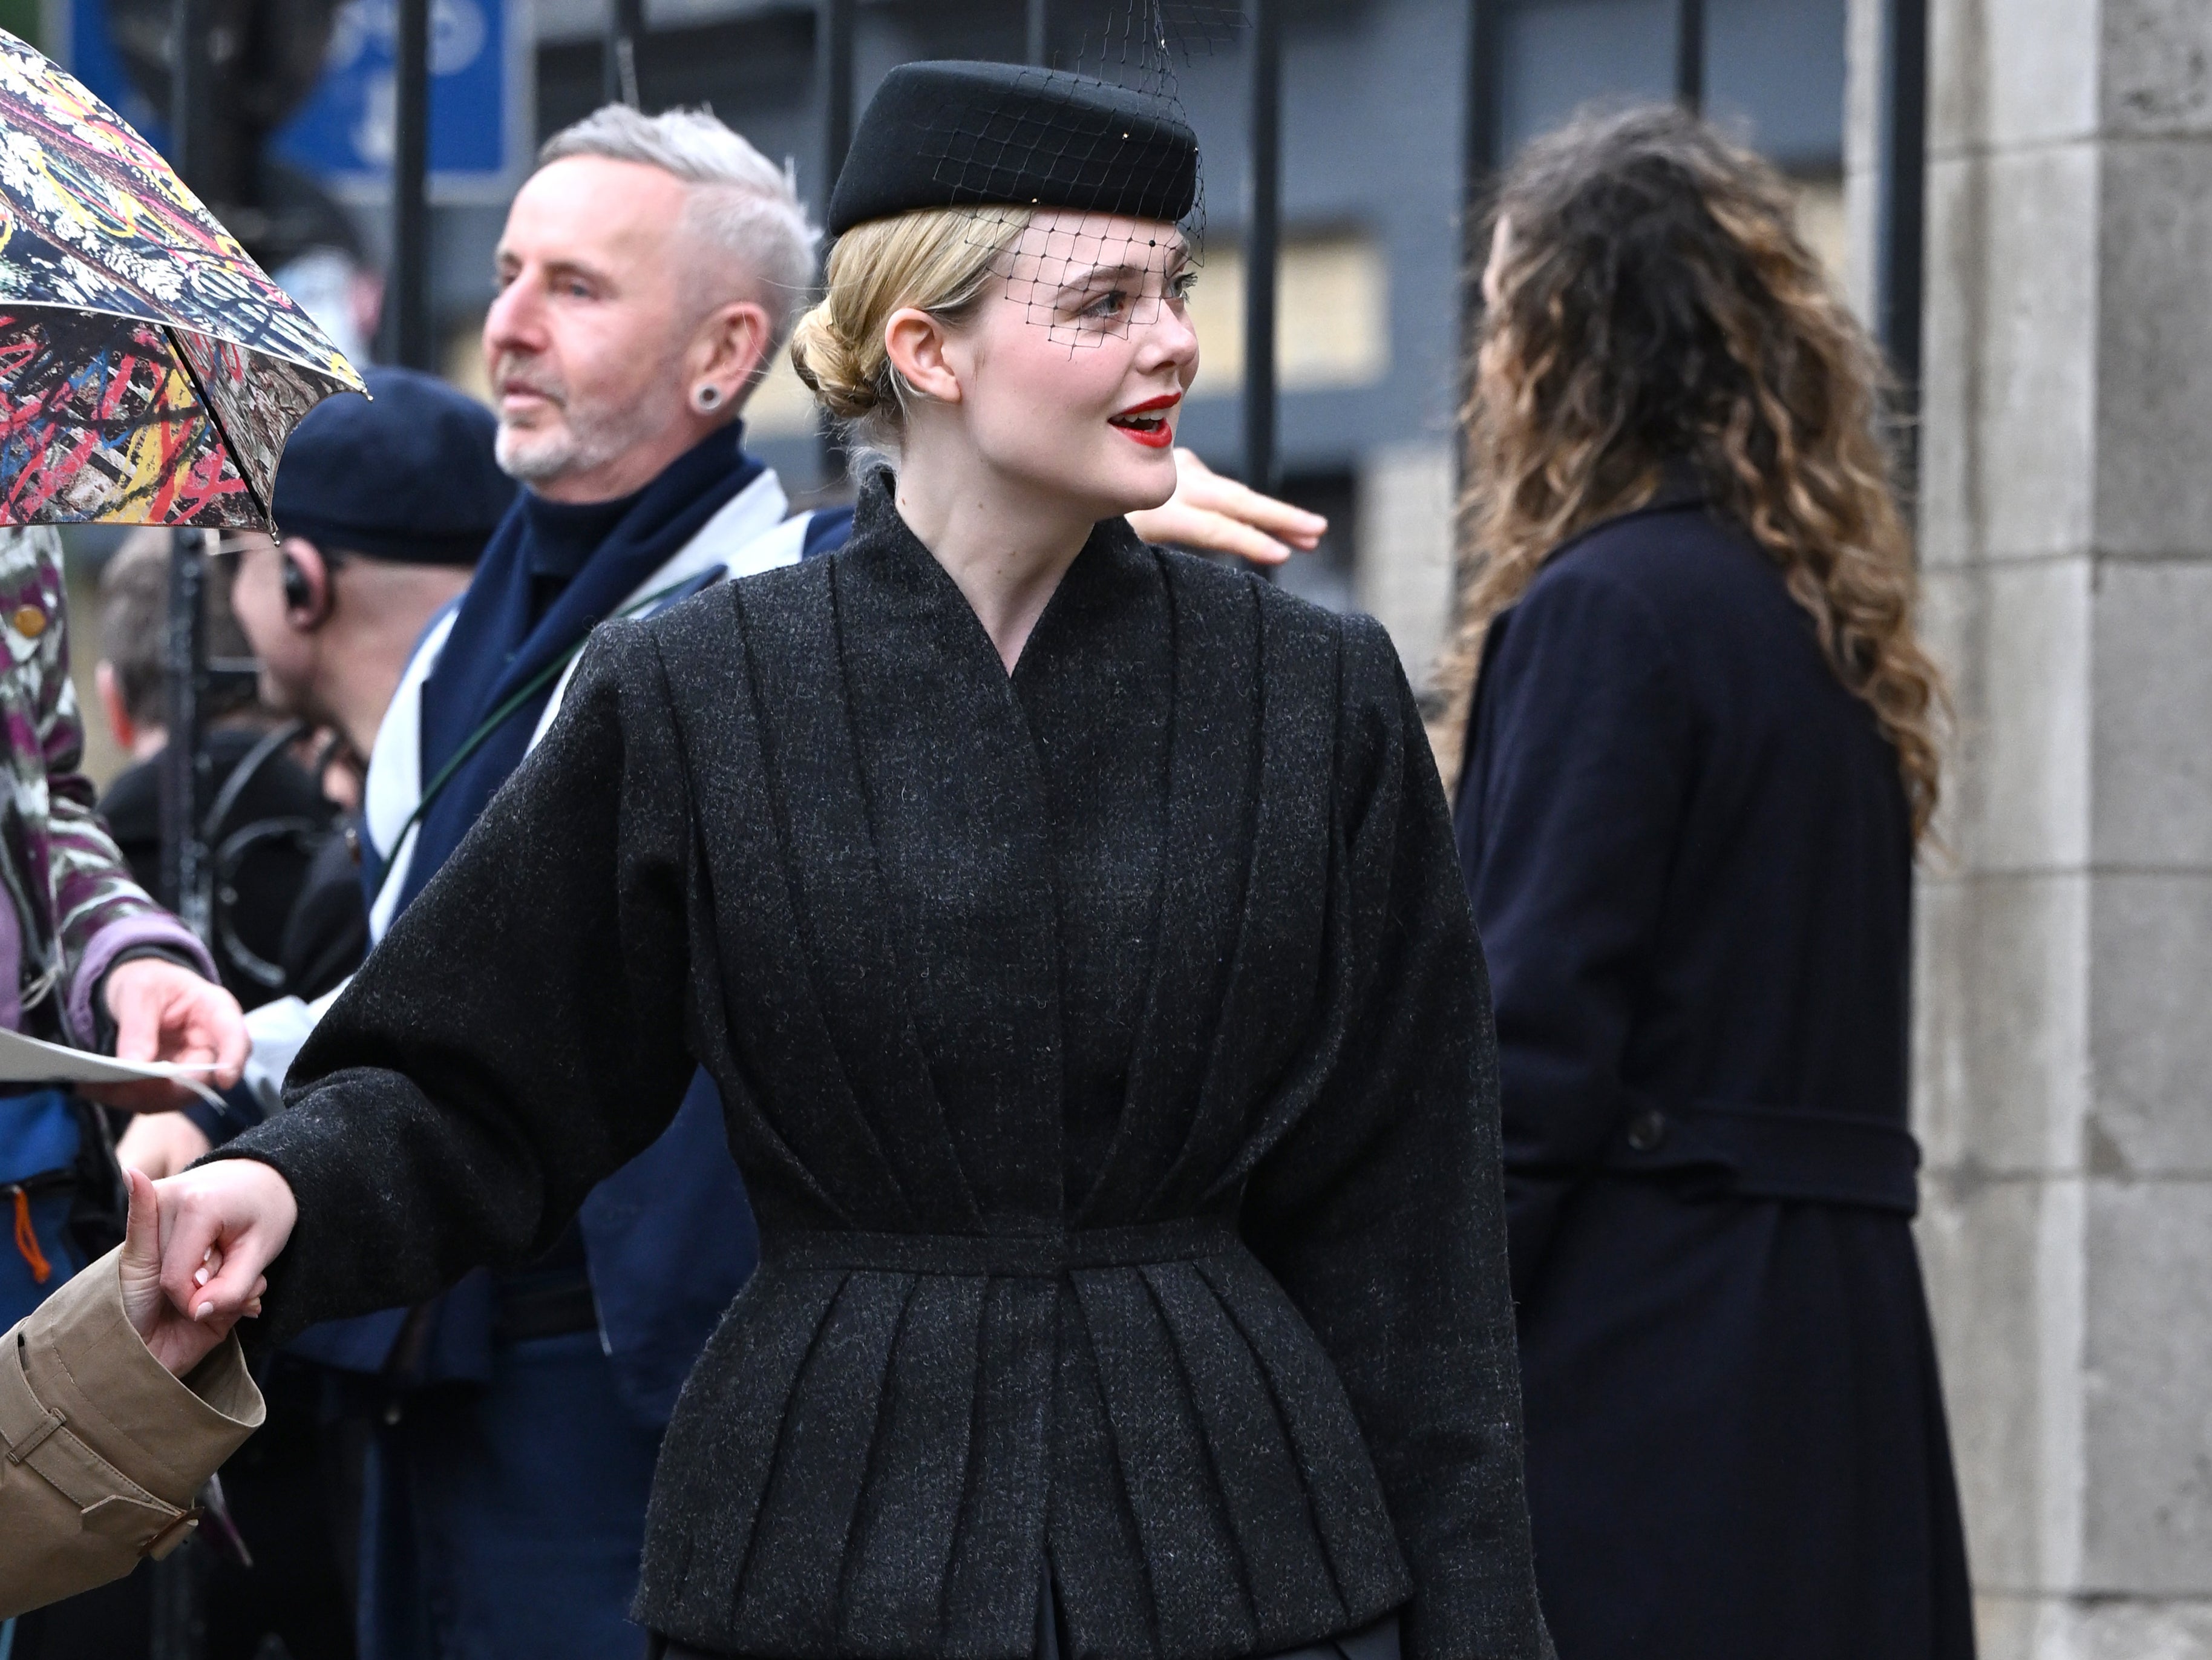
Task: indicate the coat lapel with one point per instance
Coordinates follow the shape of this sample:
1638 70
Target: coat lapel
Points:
1213 795
953 900
870 1063
1277 1001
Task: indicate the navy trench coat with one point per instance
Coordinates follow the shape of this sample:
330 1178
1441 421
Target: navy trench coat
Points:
1690 857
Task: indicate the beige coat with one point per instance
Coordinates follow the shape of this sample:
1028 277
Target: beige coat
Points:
104 1449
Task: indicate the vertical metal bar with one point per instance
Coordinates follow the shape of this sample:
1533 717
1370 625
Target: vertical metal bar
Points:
833 77
180 1615
625 33
1690 55
188 88
1480 143
1900 230
410 344
177 1626
1040 33
184 768
833 74
184 646
1263 240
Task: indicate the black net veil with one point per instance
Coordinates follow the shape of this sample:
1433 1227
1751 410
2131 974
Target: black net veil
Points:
1094 274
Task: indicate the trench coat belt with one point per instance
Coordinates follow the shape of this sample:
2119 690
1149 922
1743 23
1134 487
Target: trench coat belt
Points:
1752 1152
1018 1257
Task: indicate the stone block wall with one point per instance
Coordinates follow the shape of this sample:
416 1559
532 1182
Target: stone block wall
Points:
1402 567
2063 993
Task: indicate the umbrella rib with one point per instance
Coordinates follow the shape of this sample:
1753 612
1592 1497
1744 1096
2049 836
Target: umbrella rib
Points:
215 416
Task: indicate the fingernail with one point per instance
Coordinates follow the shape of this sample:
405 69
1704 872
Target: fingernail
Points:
202 1311
201 1277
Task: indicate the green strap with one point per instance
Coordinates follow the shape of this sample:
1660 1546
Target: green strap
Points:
498 718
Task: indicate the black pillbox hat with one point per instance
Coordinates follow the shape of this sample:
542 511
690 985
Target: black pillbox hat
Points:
956 135
410 477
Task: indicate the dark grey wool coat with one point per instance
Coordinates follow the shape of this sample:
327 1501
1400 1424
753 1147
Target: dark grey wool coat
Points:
1108 1055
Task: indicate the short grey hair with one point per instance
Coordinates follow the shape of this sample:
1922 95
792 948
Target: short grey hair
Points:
741 202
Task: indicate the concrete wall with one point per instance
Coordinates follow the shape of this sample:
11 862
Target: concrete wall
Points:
2062 1050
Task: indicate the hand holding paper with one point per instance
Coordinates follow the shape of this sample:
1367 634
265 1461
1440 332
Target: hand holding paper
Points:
30 1060
171 1019
173 1030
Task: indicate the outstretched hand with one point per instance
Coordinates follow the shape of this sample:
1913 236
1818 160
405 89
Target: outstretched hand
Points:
221 1227
165 1012
1209 514
178 1343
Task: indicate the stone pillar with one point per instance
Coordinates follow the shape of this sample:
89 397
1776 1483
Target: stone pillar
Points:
2063 1010
1402 567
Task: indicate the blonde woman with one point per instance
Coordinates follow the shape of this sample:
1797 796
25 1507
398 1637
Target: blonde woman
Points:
1699 758
1073 933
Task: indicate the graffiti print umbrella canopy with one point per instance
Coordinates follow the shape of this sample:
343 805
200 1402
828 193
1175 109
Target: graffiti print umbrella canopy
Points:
149 371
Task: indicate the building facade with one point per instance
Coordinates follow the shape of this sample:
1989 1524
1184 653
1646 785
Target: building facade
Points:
2062 1052
1374 106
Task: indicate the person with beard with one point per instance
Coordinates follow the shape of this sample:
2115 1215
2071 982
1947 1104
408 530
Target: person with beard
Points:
648 271
385 504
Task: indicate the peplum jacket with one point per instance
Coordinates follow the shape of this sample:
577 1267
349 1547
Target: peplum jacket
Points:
1108 1054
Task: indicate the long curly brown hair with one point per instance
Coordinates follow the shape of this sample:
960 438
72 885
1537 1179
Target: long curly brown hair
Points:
1652 305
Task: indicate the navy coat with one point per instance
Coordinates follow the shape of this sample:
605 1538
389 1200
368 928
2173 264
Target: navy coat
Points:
1690 857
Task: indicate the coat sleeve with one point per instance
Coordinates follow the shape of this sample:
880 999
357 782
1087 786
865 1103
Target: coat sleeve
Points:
518 1035
1381 1214
98 912
106 1449
1580 760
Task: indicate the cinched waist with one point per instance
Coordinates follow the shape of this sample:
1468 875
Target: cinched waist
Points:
1020 1257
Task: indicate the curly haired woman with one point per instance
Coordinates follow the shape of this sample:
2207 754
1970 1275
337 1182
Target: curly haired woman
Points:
1699 754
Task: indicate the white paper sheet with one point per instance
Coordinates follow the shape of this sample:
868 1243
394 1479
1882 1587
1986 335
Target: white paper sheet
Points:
31 1061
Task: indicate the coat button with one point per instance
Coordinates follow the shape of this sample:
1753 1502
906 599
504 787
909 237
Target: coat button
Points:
30 622
1647 1129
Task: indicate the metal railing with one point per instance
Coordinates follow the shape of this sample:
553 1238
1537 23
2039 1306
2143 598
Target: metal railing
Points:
1899 252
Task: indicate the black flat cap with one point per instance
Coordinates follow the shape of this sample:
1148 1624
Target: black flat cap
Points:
410 477
953 135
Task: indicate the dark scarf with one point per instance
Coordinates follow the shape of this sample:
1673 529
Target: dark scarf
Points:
587 559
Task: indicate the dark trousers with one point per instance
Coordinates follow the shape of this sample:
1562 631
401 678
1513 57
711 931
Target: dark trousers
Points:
508 1520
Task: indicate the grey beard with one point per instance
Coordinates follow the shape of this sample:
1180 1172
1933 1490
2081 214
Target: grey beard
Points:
592 437
536 460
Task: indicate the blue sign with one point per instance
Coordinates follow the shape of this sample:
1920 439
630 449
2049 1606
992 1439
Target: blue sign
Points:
480 122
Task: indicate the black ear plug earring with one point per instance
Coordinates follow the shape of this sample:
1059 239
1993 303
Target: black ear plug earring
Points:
299 592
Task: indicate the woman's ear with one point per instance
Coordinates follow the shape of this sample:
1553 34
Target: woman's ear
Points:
918 345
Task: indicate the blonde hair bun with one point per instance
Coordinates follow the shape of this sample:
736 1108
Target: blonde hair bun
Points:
833 366
940 260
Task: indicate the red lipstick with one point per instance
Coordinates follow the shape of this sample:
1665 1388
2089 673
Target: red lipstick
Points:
1147 421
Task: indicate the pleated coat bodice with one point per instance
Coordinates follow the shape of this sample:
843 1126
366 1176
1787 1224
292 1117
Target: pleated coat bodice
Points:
1107 1053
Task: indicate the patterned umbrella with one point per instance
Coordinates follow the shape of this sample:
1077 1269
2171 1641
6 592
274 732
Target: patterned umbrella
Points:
149 371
